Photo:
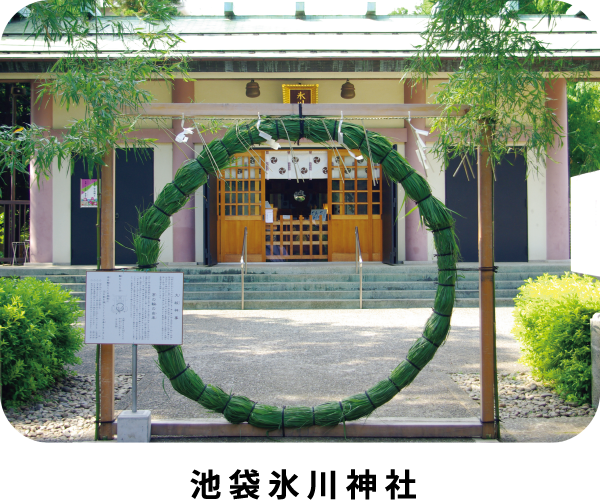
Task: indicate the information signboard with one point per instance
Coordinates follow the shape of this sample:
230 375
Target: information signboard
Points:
133 308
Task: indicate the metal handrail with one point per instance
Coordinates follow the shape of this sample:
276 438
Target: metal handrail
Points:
359 262
244 261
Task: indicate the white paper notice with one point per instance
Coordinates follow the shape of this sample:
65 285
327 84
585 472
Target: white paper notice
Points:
269 215
133 308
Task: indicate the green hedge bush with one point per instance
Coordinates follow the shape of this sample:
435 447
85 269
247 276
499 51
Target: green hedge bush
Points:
37 337
552 322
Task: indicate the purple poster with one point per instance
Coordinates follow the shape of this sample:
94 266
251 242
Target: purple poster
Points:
89 193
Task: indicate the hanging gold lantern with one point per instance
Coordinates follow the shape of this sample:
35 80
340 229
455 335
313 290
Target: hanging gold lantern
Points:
348 90
252 89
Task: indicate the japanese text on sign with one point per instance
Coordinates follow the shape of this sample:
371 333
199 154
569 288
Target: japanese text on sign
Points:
134 308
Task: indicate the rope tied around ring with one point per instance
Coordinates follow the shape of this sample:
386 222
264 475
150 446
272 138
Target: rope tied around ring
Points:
148 266
386 155
168 349
394 384
226 404
249 414
431 342
440 314
361 142
161 210
407 176
412 364
423 199
370 401
178 188
226 150
201 392
180 373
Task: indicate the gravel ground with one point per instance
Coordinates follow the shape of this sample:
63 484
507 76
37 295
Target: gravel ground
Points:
521 396
67 411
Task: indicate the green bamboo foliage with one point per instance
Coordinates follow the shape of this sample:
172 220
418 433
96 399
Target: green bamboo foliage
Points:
434 215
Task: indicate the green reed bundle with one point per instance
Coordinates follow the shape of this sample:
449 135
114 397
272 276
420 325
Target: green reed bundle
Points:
435 216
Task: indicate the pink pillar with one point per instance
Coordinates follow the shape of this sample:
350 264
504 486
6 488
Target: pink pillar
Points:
40 198
415 236
557 178
184 249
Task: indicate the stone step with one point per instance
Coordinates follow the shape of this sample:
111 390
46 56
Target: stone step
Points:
317 269
368 294
327 296
323 287
349 278
319 286
330 304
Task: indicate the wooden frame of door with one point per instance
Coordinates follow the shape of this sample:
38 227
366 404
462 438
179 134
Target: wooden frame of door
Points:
344 193
241 203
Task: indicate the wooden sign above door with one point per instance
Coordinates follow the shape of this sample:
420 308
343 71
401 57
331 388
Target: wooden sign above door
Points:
300 94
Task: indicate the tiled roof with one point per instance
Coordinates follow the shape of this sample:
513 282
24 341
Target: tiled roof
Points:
314 37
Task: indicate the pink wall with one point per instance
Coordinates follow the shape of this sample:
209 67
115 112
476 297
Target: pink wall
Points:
41 198
184 249
557 179
415 236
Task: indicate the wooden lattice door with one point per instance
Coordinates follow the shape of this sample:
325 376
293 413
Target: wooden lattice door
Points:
355 201
241 204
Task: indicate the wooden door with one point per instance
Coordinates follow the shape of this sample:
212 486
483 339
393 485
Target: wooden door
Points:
355 201
241 204
510 209
134 193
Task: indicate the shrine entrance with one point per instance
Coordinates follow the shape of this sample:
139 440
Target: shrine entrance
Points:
300 205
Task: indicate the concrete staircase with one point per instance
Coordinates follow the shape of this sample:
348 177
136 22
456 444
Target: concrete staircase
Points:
316 285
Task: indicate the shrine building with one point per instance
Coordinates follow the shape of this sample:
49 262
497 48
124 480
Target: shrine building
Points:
301 202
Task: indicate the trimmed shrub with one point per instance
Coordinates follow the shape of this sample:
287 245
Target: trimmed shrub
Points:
552 322
38 337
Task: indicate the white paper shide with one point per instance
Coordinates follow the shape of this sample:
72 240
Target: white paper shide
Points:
134 308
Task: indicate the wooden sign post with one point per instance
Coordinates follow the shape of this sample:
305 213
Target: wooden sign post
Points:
487 299
107 262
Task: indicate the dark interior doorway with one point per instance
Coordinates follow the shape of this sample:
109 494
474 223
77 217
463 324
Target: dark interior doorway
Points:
510 209
134 190
280 195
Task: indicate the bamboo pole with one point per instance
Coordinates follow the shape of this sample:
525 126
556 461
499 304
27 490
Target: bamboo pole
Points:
107 261
487 319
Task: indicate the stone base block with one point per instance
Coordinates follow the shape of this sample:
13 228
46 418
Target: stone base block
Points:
134 427
595 327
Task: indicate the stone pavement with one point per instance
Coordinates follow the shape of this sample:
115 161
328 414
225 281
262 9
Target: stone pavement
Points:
303 357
